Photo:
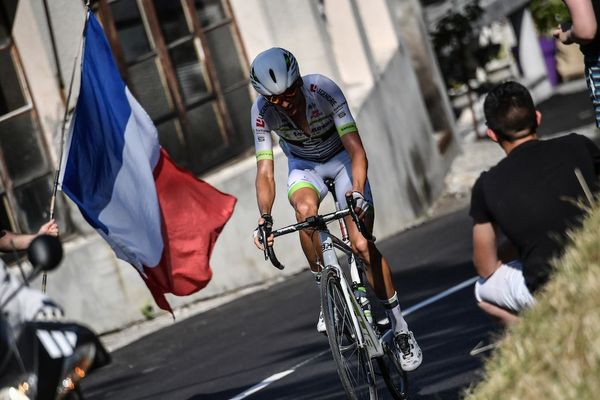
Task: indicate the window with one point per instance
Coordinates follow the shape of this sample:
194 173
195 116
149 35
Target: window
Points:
183 61
26 173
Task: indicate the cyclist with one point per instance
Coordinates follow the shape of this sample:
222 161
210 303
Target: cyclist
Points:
320 139
530 197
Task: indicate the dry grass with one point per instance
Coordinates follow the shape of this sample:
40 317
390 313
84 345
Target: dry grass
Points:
554 352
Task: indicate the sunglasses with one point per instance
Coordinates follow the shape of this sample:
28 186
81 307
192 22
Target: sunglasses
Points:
285 96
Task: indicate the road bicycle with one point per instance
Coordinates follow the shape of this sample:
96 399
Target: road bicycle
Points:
355 339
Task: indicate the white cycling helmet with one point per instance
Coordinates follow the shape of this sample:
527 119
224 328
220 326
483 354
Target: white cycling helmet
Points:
273 71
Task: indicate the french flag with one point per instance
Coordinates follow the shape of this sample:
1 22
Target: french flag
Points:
156 216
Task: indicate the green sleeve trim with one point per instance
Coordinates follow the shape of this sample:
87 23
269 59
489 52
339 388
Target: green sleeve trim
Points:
347 128
264 155
299 185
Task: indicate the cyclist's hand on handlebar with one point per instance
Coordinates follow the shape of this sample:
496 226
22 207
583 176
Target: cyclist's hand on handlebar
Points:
264 222
256 235
361 204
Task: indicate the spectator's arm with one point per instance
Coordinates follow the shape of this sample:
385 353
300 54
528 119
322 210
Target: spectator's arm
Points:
10 241
584 24
485 250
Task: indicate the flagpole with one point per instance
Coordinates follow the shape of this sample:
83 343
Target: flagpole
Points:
63 128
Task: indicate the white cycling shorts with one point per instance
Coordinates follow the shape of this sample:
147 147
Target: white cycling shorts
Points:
505 288
312 174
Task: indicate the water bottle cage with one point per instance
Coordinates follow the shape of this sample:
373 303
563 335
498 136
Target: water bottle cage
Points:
360 293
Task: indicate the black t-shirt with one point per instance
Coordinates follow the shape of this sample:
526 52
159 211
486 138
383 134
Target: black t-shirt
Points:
531 196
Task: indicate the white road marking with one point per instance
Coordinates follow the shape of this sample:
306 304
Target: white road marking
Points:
440 296
276 377
410 310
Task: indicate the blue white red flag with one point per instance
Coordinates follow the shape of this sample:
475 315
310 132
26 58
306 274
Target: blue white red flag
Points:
156 216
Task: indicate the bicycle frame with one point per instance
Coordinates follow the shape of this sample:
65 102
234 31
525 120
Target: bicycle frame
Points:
366 335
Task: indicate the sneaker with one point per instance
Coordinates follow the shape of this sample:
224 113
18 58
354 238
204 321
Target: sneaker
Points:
321 323
410 352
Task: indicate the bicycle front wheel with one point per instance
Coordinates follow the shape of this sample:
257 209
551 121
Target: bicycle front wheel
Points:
353 363
394 376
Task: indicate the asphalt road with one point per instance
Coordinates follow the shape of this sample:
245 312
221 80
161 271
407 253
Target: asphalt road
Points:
226 351
565 112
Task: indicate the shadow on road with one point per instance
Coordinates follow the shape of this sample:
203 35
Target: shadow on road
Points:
565 112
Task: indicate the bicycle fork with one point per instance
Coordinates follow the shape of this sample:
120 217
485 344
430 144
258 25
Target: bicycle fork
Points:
366 335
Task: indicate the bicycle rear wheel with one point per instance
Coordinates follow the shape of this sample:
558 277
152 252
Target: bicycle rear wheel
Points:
353 364
394 376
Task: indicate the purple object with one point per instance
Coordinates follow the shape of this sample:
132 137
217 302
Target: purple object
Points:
548 46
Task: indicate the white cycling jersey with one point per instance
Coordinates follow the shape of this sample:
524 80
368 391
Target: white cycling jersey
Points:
328 117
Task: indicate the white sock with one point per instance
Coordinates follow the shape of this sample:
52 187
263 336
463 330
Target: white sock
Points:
394 314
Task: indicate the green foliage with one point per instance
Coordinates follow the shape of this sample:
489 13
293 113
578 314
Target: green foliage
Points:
148 310
548 14
456 43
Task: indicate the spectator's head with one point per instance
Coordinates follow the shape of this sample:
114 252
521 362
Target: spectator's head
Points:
510 113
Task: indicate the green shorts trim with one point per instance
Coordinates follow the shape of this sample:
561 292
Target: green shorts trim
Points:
299 185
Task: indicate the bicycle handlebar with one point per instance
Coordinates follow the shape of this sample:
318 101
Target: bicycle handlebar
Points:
265 232
359 223
317 221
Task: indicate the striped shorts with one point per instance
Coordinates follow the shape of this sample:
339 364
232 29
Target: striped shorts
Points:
592 77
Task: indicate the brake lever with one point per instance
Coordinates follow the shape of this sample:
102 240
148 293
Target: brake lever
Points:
263 238
359 224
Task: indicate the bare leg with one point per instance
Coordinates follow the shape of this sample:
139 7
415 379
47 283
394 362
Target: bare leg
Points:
505 316
379 276
378 269
306 204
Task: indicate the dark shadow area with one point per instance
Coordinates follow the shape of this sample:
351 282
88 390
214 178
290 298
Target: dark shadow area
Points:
565 112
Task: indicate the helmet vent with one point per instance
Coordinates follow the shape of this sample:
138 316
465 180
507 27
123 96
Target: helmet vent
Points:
272 75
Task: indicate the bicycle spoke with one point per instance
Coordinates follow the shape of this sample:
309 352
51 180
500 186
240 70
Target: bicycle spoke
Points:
391 371
354 365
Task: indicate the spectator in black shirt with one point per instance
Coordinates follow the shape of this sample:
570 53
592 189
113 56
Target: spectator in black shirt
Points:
530 197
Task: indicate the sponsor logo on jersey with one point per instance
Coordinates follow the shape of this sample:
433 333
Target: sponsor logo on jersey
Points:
327 97
316 113
313 87
339 107
342 114
260 123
